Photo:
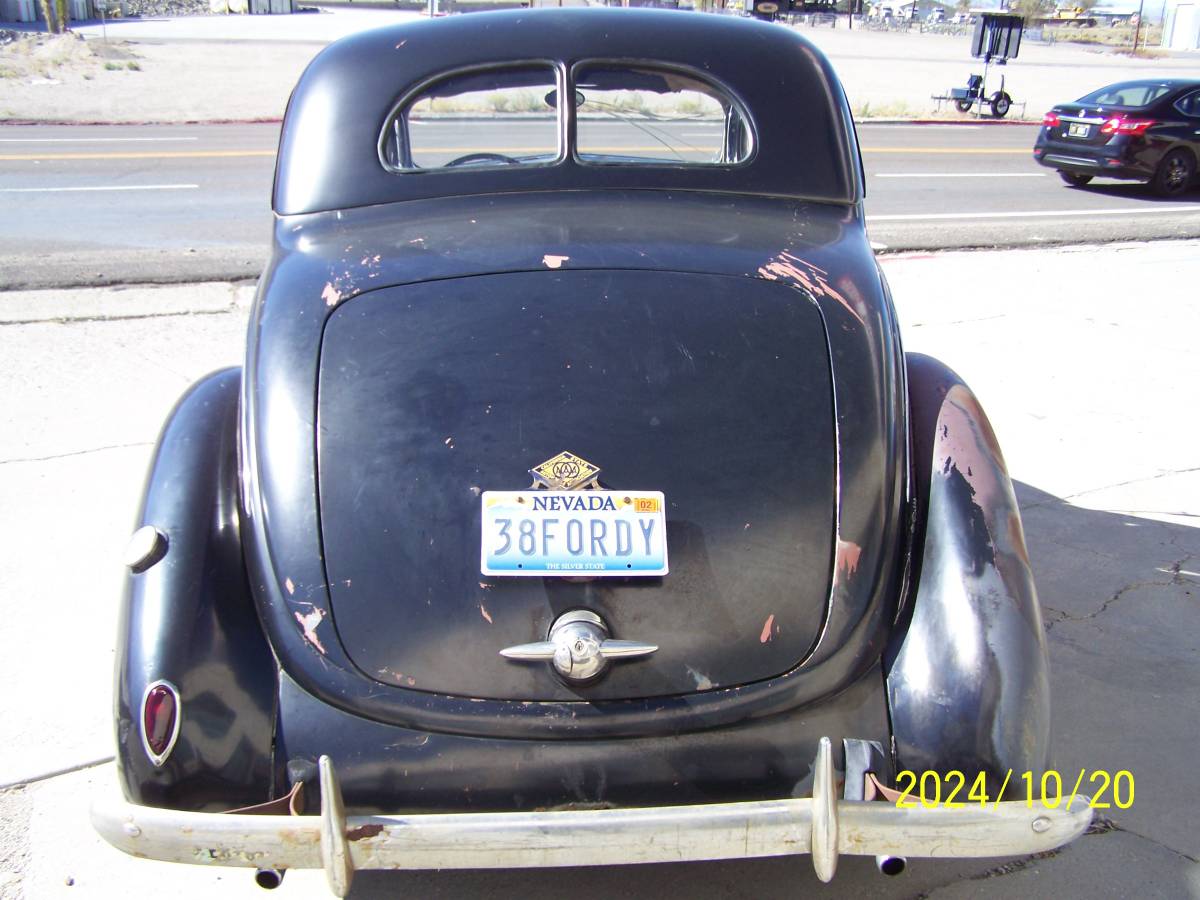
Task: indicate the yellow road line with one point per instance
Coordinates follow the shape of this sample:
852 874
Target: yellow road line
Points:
1028 151
148 154
235 154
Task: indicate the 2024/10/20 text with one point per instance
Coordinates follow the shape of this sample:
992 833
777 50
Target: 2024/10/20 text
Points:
926 789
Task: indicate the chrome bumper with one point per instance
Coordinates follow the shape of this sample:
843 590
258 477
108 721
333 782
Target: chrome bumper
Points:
822 825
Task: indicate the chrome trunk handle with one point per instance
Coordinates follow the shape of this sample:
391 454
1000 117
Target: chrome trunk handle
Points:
579 647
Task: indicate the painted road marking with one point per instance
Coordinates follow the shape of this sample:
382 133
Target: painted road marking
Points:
1039 214
115 187
971 151
92 140
959 175
232 154
148 154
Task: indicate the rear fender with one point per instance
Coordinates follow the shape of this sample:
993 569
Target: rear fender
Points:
189 620
967 679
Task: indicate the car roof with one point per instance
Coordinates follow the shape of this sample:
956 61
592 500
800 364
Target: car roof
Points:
1171 83
805 146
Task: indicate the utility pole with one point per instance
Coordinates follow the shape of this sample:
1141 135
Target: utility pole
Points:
1137 30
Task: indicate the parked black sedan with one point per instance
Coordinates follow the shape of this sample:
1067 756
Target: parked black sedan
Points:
1140 130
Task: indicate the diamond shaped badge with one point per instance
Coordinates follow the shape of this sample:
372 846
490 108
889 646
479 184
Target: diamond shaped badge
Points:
564 472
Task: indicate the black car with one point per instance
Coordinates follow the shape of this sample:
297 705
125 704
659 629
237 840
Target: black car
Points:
1141 130
576 502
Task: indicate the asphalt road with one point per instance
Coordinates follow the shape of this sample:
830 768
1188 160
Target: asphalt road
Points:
105 205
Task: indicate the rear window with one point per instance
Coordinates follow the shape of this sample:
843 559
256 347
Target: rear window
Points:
1132 94
478 118
635 114
510 116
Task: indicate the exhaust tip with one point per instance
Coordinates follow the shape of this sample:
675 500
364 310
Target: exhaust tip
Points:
268 879
891 865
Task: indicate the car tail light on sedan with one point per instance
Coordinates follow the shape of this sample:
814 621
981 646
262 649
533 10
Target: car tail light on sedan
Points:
1051 120
1121 125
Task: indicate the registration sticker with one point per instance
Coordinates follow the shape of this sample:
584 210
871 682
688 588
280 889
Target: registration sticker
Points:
590 532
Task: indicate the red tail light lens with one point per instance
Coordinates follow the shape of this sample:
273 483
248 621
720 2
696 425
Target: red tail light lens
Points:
160 720
1050 120
1121 125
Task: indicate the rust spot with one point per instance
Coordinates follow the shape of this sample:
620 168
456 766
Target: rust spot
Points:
309 623
483 612
363 831
330 295
767 630
550 261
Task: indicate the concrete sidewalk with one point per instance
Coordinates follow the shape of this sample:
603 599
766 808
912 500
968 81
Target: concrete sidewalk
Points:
1084 358
202 68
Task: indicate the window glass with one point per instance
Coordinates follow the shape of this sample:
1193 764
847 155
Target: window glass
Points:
480 119
1189 104
1132 94
632 114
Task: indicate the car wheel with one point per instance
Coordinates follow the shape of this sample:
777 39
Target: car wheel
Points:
962 105
1001 104
1174 174
1074 179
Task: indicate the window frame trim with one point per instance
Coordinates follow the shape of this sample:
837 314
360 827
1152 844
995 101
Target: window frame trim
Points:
397 114
736 103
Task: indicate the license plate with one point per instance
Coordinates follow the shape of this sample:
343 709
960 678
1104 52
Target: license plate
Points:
1074 129
588 532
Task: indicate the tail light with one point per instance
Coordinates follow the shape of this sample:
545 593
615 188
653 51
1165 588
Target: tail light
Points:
1121 125
160 720
1050 120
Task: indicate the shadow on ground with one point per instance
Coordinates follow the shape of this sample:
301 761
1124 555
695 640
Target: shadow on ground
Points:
1119 596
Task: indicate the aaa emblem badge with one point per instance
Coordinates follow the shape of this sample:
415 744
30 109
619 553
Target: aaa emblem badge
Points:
565 472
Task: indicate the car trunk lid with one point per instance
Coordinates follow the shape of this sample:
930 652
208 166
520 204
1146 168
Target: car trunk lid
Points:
716 391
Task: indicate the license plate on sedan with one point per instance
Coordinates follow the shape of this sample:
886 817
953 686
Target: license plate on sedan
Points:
1075 129
588 532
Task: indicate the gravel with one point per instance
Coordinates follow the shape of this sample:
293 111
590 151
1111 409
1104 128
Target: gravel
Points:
159 8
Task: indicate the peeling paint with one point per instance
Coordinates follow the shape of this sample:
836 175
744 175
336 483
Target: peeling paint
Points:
789 267
483 612
848 554
289 586
309 623
330 295
703 682
768 629
551 261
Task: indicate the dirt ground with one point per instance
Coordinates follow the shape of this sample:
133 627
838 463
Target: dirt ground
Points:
249 73
64 78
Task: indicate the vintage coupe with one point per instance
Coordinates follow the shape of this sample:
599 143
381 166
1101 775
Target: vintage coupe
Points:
576 503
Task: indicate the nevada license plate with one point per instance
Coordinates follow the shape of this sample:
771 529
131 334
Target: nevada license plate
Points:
587 532
1074 129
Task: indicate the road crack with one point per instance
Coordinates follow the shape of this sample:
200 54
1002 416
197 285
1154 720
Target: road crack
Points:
1177 579
132 317
56 456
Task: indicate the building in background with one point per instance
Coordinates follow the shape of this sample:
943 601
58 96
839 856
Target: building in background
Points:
1181 25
